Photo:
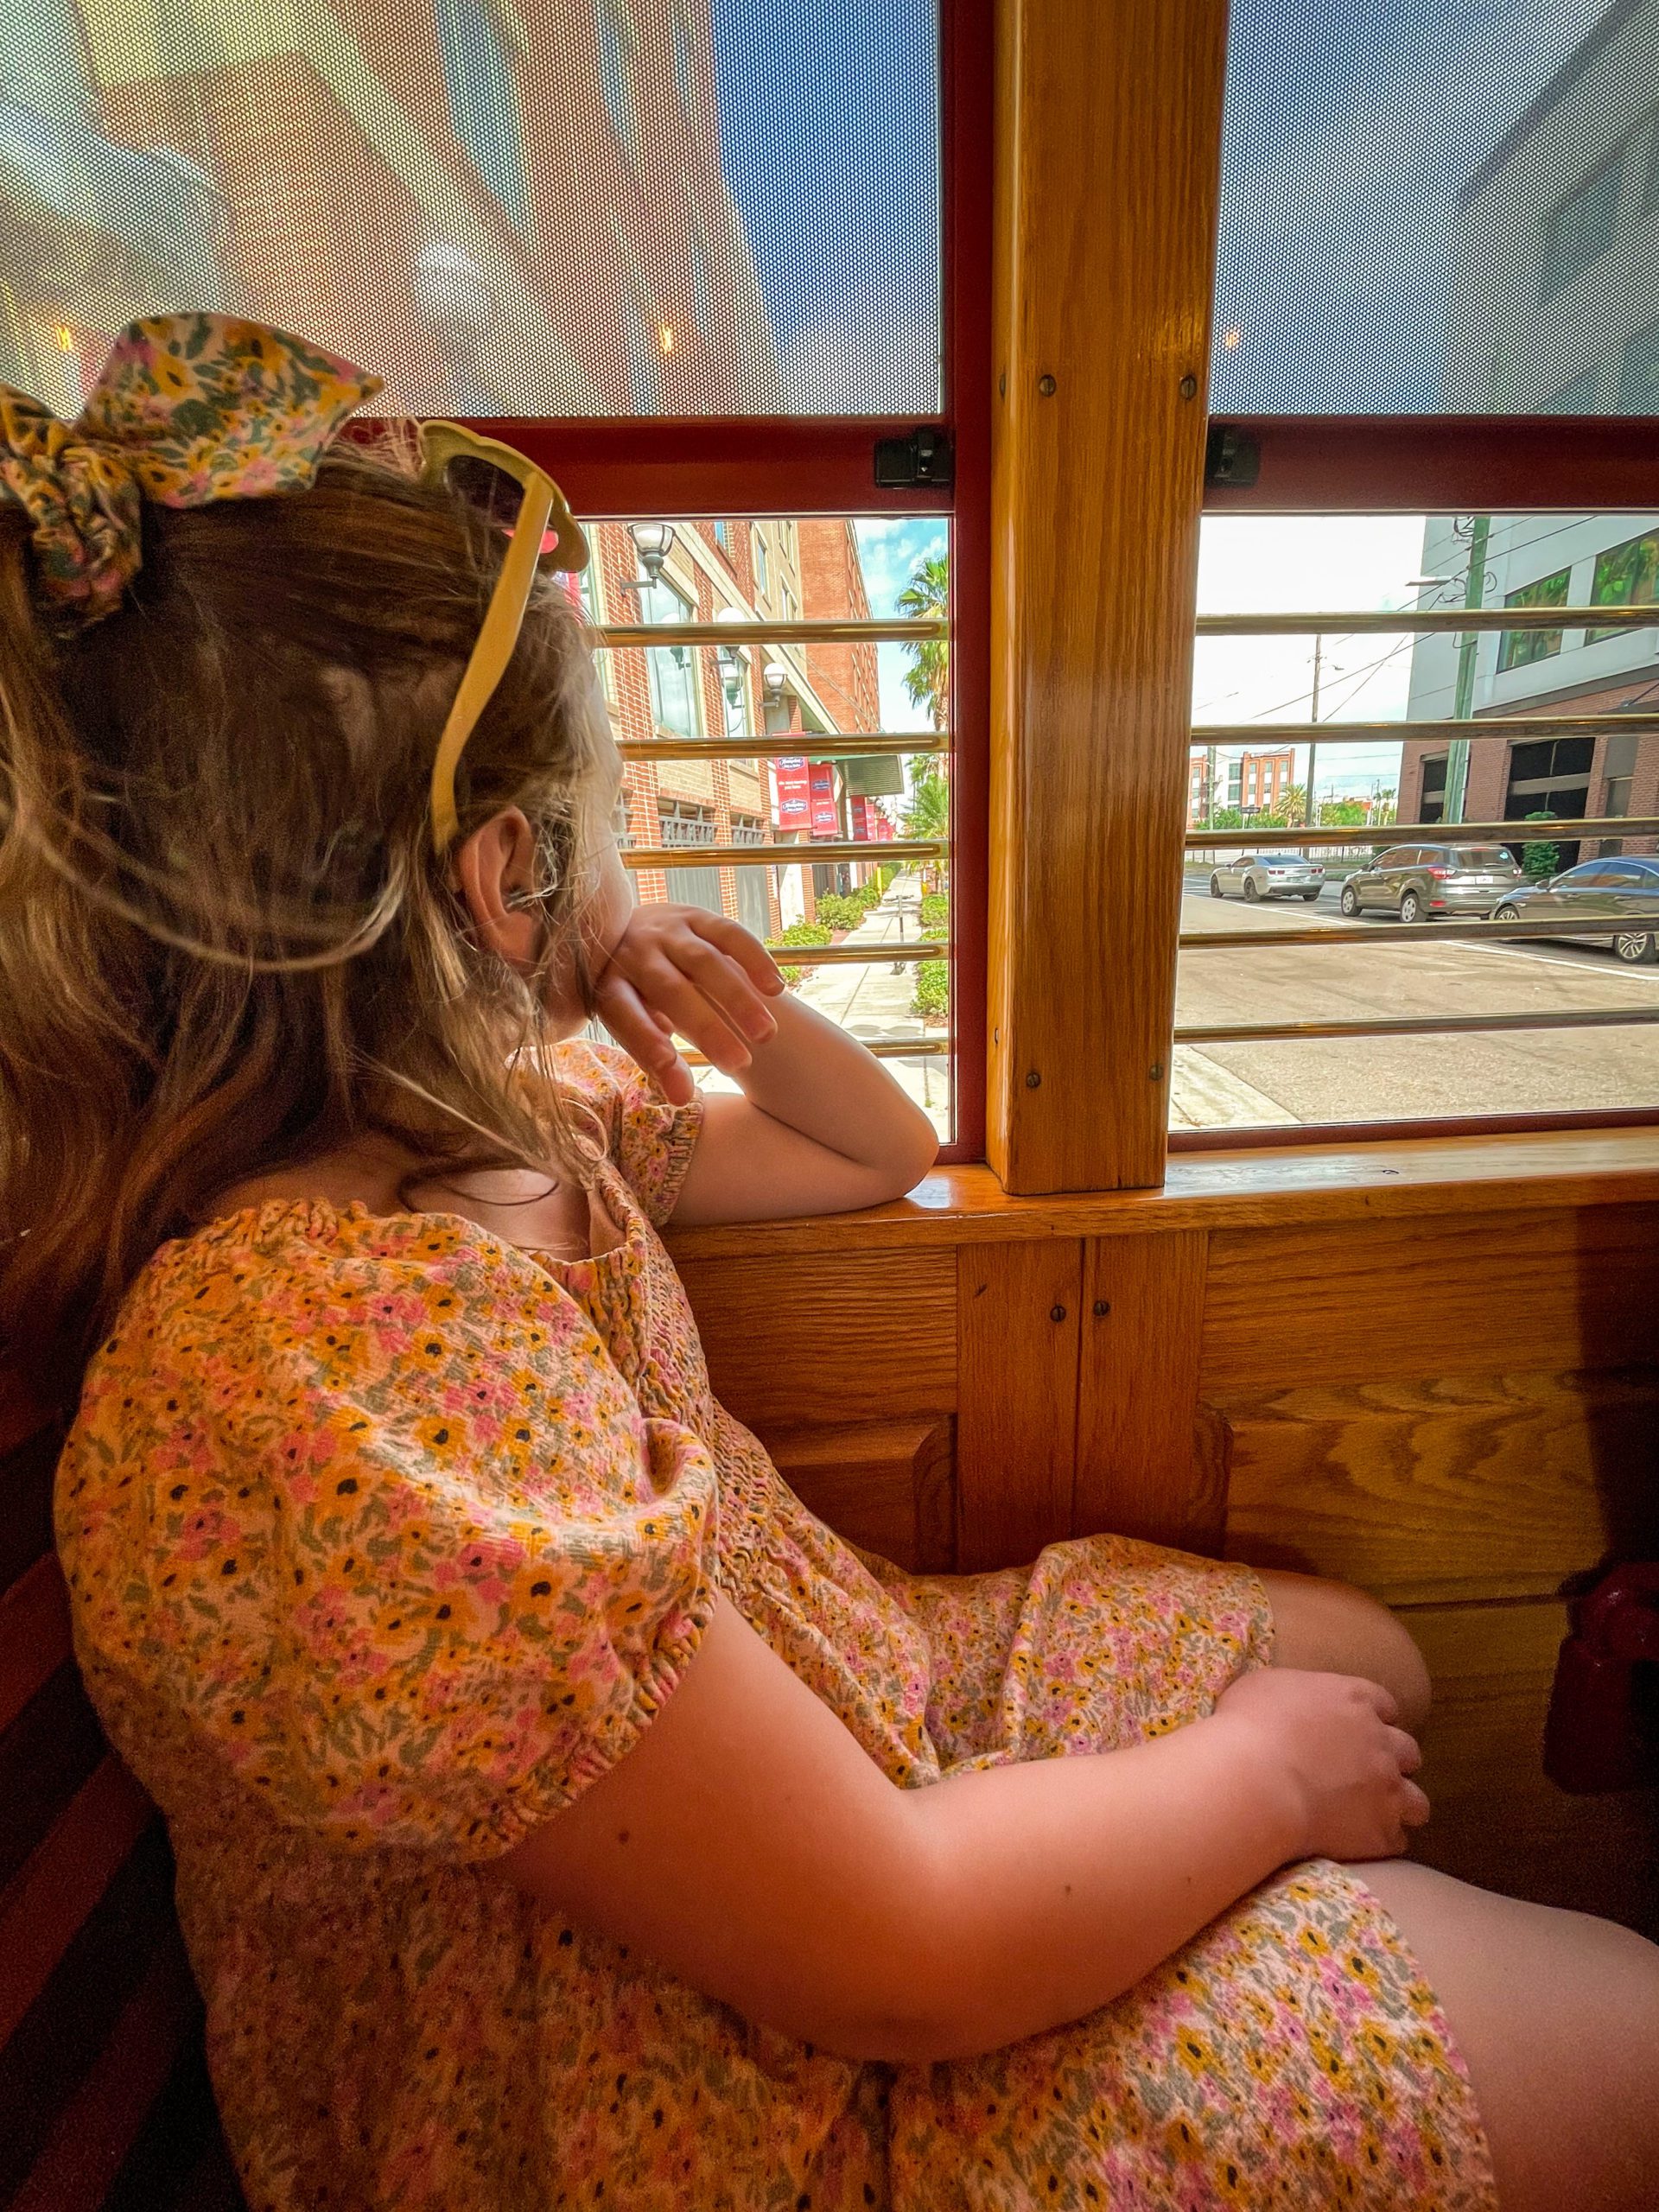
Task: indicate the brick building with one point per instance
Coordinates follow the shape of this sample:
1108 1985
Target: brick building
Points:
1249 782
503 209
731 571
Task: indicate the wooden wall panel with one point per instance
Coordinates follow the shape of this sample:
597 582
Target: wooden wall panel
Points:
838 1337
889 1486
1108 135
1016 1418
1471 1293
1138 1473
1497 1818
1459 1487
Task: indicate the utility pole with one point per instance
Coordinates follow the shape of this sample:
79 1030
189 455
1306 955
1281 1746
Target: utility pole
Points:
1312 748
1463 706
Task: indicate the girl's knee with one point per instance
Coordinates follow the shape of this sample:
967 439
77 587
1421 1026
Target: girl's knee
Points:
1333 1628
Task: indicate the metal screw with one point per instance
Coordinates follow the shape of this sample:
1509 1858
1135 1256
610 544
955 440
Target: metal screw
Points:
996 1036
1103 1308
1033 1080
1188 387
1003 385
1057 1313
1046 386
1155 1072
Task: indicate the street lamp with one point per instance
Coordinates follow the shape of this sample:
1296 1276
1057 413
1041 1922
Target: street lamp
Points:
653 541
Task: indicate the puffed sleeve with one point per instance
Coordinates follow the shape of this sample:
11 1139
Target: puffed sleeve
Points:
651 1141
404 1554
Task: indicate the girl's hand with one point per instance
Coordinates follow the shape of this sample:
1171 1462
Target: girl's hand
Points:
682 970
1348 1767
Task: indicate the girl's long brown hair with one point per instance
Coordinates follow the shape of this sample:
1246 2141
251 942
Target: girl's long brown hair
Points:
226 946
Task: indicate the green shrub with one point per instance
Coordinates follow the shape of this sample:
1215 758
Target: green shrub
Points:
799 934
932 998
936 914
841 910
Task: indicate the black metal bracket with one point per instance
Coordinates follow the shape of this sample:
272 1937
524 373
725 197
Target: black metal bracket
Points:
925 457
1230 457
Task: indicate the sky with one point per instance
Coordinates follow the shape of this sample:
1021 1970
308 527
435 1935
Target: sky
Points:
829 131
888 551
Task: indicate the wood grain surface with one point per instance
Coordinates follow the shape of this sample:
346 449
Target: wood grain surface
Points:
1138 1473
841 1337
1461 1486
889 1486
1016 1419
1428 1295
1108 126
1272 1188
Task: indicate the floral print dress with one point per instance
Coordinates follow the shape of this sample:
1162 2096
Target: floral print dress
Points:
385 1538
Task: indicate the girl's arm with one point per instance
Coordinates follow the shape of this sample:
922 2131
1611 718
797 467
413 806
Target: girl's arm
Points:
750 1844
820 1128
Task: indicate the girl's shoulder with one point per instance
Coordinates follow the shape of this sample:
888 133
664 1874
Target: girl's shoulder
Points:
646 1139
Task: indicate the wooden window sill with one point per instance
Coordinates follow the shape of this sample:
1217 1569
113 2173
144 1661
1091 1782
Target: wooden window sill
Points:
1248 1189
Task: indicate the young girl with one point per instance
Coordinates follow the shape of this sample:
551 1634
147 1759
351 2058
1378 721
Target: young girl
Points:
562 1815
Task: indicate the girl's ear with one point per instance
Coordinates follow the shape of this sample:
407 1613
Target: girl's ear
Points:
495 869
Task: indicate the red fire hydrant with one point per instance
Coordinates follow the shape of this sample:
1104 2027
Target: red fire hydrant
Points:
1603 1729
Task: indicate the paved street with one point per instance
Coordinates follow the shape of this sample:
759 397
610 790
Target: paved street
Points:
1355 1079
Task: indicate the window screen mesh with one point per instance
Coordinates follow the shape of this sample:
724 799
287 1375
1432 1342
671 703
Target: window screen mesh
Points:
1439 205
502 206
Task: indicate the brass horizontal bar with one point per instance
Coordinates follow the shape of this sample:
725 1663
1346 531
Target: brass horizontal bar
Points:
885 1048
767 632
1396 621
1248 1032
1364 932
1266 838
808 744
1266 736
849 955
898 849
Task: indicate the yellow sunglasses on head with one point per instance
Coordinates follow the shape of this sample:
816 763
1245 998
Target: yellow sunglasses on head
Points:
542 507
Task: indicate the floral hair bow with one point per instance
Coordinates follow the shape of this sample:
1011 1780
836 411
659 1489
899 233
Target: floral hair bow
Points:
189 409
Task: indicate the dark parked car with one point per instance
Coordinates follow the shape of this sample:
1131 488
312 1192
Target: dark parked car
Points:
1616 888
1417 881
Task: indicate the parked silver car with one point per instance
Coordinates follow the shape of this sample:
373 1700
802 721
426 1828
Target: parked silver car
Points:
1268 875
1417 881
1616 887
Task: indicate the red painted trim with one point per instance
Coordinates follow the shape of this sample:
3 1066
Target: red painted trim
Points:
662 465
1445 464
1469 1125
967 72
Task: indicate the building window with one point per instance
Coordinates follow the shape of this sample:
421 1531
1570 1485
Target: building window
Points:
1433 808
761 581
1626 575
673 668
1517 648
723 537
1638 373
791 605
682 823
1579 230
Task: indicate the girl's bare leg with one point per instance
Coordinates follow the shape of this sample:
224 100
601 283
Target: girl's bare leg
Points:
1557 2016
1332 1628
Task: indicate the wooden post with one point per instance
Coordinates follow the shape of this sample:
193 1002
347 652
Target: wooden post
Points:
1108 146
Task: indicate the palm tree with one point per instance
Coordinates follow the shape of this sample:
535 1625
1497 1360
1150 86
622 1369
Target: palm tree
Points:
927 679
